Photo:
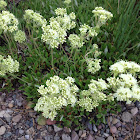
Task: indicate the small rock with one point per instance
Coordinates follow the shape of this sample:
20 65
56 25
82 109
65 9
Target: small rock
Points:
22 138
16 118
137 103
107 131
119 128
74 136
10 105
21 131
7 117
99 138
27 137
1 123
84 131
3 107
32 114
30 131
2 113
57 138
91 132
106 135
50 129
8 134
90 137
83 135
19 101
49 137
39 126
44 133
138 128
110 138
29 123
134 111
110 119
130 106
102 132
95 128
2 130
56 129
67 130
118 124
114 121
113 129
138 136
126 117
9 111
65 137
1 99
120 138
80 133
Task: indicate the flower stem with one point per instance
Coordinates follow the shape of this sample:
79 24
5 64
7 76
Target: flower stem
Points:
52 61
8 44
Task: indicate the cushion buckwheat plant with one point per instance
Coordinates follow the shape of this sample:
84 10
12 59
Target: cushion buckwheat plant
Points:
55 33
57 94
124 82
87 92
8 65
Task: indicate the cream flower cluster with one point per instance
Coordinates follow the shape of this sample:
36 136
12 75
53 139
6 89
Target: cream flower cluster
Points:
60 11
67 2
57 94
66 21
96 51
75 41
8 22
102 15
55 33
86 31
8 65
124 67
34 18
92 97
19 36
127 91
124 84
93 65
3 4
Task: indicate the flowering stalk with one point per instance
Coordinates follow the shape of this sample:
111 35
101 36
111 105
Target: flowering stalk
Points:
9 45
66 55
52 60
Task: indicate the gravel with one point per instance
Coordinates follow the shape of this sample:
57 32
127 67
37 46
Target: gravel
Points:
19 123
2 130
126 117
134 111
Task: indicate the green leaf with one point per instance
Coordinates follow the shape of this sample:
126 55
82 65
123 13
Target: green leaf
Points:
41 120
